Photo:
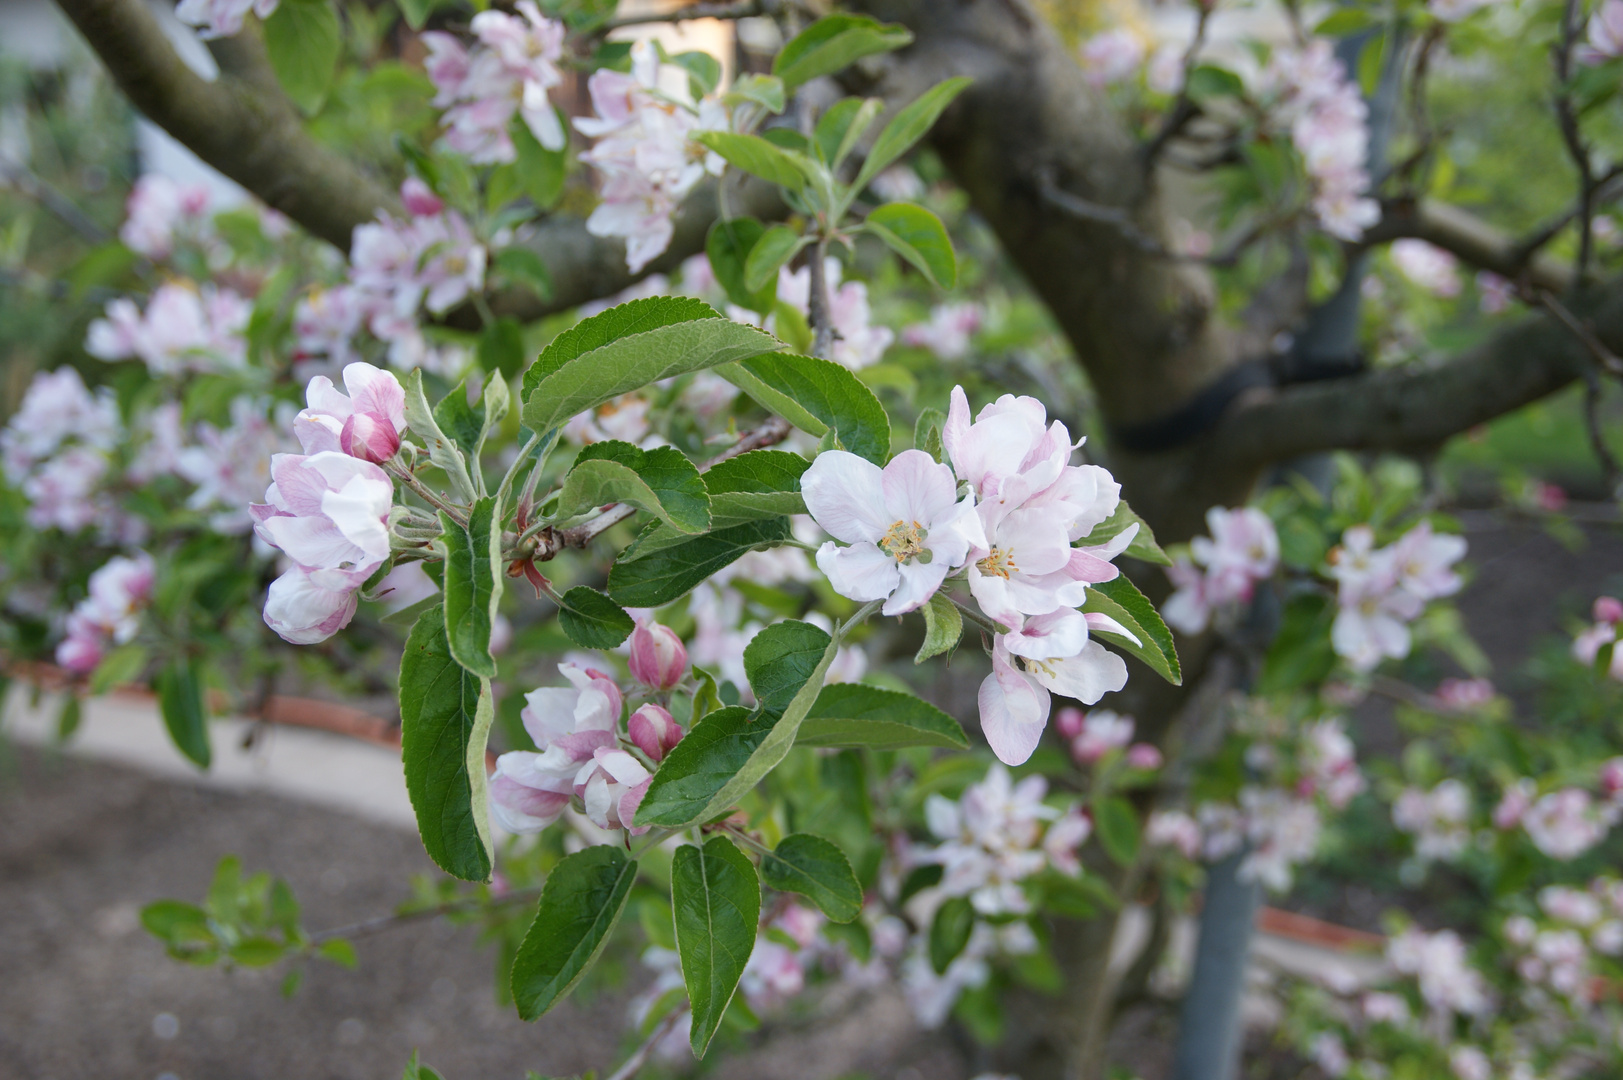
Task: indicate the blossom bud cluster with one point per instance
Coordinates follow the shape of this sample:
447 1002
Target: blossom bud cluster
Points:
1586 647
905 529
1222 571
642 126
110 614
580 751
1381 590
431 259
327 509
1329 124
509 71
1094 734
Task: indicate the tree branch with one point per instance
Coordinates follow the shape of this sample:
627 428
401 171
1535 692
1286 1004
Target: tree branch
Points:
1410 408
253 136
1471 239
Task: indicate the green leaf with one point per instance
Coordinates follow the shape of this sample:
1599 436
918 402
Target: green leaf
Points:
818 870
442 450
257 952
949 932
780 659
338 951
755 485
816 396
845 123
1121 600
445 716
1344 21
417 13
175 923
1208 81
851 714
69 718
473 584
120 667
582 899
763 90
943 627
907 127
923 877
628 347
180 699
524 267
728 246
541 171
716 904
1142 546
469 424
927 432
592 620
717 748
704 71
500 350
1301 653
834 42
1117 823
661 481
919 237
304 40
655 576
755 156
775 248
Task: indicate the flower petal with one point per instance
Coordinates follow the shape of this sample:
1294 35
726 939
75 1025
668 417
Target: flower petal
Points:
861 572
845 495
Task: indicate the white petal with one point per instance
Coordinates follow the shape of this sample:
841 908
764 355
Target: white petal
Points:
918 488
919 581
1088 676
845 495
1014 712
861 572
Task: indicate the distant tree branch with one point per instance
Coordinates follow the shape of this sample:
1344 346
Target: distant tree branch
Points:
1416 407
241 126
1472 240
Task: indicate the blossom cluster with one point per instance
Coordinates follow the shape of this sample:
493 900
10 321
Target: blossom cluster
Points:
161 212
327 509
649 164
183 329
1381 590
581 753
1568 821
1603 39
900 531
948 331
1221 572
109 615
1098 733
1438 819
430 259
221 18
1428 266
1329 125
509 72
55 450
1601 634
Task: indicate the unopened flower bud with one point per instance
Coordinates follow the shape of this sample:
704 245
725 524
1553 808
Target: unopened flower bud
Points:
419 198
1143 756
654 731
369 438
1069 722
658 657
1608 609
1611 778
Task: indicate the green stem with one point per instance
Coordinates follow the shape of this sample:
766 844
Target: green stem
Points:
658 836
856 620
977 617
518 463
749 841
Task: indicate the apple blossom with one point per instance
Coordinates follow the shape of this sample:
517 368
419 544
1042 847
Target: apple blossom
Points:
1566 823
1494 293
510 71
1111 57
1173 828
157 210
183 329
1283 831
1329 1053
1428 266
1468 1062
231 465
56 409
948 332
1144 756
1102 731
1447 981
1587 646
1514 804
365 423
1222 570
1605 34
1328 122
1439 819
110 614
611 787
1464 695
858 342
569 725
325 322
991 841
904 526
624 418
221 18
654 731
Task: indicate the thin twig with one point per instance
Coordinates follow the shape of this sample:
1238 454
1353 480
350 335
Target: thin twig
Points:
745 9
379 923
1602 355
1610 470
426 493
1123 223
1606 189
1184 108
817 312
639 1057
1567 115
26 181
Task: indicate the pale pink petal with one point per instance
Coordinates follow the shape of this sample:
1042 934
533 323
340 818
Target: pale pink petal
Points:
845 495
861 572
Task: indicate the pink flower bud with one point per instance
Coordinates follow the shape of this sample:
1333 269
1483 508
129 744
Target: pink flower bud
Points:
1069 722
1611 777
1143 756
369 437
654 731
419 198
1608 610
658 658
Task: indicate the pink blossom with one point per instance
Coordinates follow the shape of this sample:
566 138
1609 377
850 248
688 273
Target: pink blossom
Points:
419 199
1576 906
1144 756
1064 837
1494 293
404 585
1243 549
1428 266
509 72
569 725
160 443
611 787
221 18
624 418
1329 759
81 650
327 512
1384 1008
1102 731
230 466
110 614
1330 1054
57 409
1111 57
991 842
1464 695
654 731
1447 981
1173 828
1327 120
1514 804
1283 831
1068 722
158 208
658 658
1164 73
1586 647
899 183
325 322
1438 818
1467 1062
1605 36
948 332
1566 823
904 526
858 343
183 329
1382 590
365 423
